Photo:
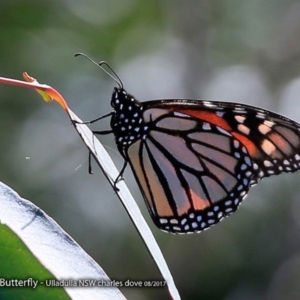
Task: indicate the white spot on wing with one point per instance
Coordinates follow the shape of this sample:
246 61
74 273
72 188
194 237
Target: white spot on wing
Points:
208 104
261 115
267 163
220 113
248 160
206 126
264 129
269 123
240 119
268 147
236 143
179 114
244 129
163 221
223 131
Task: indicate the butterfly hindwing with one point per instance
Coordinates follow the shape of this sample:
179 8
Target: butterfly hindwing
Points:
192 173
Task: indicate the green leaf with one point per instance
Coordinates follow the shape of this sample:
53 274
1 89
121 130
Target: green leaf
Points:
22 275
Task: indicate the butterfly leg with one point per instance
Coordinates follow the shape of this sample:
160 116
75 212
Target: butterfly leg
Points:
93 121
120 176
90 153
90 163
103 132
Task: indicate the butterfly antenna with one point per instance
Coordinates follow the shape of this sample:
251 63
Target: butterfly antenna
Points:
114 75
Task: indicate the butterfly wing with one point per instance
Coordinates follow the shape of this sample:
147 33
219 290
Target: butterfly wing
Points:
200 158
272 140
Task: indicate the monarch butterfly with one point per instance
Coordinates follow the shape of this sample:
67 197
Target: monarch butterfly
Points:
194 160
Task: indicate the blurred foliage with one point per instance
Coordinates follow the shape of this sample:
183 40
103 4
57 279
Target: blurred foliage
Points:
240 51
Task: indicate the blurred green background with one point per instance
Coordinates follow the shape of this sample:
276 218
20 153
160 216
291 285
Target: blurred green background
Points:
232 50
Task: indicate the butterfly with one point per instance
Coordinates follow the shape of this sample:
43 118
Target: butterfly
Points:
195 160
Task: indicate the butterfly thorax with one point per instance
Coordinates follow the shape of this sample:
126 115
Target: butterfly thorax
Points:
127 120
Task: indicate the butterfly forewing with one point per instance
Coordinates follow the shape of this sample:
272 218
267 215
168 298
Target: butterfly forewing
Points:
272 140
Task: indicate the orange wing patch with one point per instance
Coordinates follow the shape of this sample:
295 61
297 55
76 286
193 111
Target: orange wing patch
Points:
207 116
198 202
250 146
212 118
